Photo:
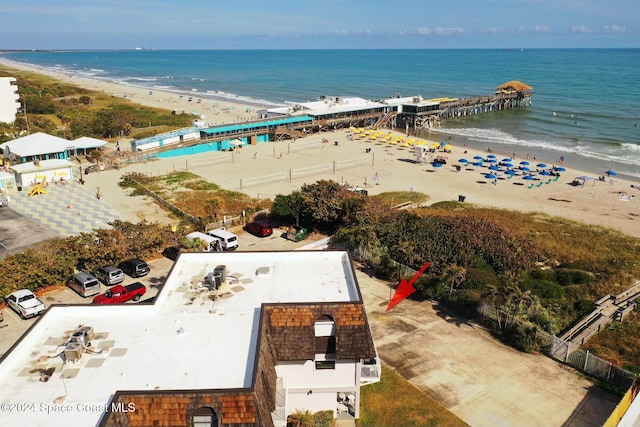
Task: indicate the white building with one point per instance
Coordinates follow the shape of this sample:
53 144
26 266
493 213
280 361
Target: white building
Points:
9 100
284 331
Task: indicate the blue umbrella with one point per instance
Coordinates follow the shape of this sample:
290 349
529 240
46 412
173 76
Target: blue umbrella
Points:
437 165
494 168
559 169
491 156
507 164
507 160
479 164
524 168
492 160
611 173
478 157
529 178
490 176
524 163
541 165
442 143
510 172
545 172
463 161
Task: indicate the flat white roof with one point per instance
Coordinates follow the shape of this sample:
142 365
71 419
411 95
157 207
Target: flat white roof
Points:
44 165
188 339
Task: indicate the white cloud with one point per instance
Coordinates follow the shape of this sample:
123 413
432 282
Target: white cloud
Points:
541 29
580 29
614 29
440 31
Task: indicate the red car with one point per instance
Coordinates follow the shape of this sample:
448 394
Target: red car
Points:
259 228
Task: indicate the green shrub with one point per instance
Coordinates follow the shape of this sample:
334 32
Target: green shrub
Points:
566 276
323 419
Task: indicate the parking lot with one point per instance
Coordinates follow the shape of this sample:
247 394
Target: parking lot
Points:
12 328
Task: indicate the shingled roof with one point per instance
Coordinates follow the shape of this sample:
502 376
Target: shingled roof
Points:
291 330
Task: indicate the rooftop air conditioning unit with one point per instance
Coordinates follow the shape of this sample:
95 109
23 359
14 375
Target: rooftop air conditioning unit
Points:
73 352
88 332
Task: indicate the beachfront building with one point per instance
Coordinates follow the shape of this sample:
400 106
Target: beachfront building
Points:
9 100
41 146
260 340
34 173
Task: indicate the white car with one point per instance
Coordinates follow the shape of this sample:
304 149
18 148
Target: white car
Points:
25 303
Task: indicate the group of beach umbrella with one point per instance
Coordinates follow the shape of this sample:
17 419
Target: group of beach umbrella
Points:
524 167
382 136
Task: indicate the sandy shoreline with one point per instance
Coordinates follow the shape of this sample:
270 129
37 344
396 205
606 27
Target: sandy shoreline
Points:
596 203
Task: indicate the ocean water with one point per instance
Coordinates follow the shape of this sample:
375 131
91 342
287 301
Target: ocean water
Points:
586 102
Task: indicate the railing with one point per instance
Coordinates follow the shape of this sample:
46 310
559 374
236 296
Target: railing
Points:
370 373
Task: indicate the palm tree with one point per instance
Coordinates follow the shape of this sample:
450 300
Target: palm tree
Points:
455 275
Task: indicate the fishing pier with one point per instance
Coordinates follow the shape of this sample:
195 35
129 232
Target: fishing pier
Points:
296 120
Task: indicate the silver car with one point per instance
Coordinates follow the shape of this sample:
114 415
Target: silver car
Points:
109 275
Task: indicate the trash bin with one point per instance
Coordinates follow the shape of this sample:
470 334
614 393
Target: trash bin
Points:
461 198
19 187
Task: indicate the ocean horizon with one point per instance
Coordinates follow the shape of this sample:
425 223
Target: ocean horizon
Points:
584 110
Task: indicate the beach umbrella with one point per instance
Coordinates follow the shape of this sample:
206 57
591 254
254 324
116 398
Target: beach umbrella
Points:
478 164
524 163
478 157
524 168
437 165
509 172
545 173
490 176
491 156
541 165
494 168
463 161
492 160
529 177
507 160
611 173
559 169
507 164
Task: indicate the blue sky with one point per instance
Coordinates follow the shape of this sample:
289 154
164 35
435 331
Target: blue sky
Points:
313 24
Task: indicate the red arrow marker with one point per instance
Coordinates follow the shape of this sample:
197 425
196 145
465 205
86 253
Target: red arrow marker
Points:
405 288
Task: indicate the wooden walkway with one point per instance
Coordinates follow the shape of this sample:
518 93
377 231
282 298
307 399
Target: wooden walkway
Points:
608 309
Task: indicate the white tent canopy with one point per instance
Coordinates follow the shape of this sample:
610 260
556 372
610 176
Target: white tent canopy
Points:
85 143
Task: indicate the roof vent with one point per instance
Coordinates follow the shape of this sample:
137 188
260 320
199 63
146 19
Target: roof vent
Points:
263 271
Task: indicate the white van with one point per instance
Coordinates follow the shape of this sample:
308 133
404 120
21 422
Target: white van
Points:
205 243
228 240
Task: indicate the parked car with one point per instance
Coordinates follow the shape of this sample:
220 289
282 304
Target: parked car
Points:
259 228
134 267
120 294
171 252
85 284
109 275
296 233
25 303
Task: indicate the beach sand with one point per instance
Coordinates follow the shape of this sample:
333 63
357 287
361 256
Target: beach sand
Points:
596 203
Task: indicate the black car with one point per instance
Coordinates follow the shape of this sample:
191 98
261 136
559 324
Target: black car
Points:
171 252
134 267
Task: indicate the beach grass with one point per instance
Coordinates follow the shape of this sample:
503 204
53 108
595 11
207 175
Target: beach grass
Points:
394 401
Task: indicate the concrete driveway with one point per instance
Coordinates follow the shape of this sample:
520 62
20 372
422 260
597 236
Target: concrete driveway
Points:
472 374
